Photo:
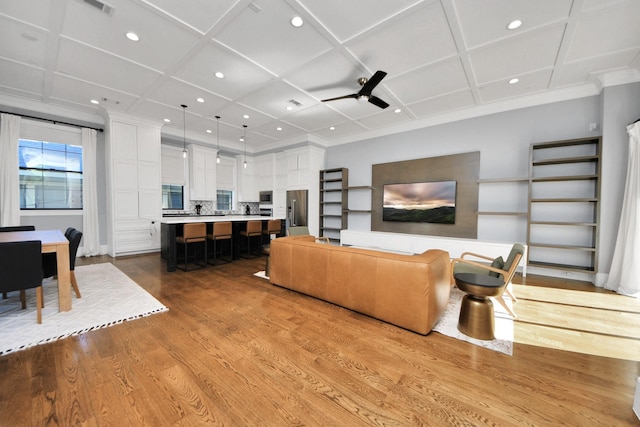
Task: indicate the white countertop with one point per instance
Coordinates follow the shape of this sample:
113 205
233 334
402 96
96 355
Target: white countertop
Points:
205 218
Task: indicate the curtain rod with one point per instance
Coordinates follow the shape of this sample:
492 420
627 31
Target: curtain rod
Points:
55 122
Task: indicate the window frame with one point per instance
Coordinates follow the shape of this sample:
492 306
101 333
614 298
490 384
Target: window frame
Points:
43 171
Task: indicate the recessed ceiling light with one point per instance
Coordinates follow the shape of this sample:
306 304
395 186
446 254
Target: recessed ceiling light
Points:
95 101
241 139
514 24
245 116
208 131
513 81
278 128
167 120
297 21
397 110
200 100
289 108
332 128
219 75
133 36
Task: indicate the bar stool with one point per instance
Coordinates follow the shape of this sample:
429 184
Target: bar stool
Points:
195 232
254 229
221 231
273 227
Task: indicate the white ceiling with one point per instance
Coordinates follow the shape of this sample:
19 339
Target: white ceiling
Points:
445 59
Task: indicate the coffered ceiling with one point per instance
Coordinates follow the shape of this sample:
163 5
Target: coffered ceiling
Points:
445 59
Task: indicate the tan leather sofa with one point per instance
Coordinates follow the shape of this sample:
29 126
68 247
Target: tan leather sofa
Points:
410 291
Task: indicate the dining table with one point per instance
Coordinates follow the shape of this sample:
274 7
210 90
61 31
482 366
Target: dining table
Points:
53 241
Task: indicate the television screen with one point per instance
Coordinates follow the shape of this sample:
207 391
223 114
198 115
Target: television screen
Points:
433 202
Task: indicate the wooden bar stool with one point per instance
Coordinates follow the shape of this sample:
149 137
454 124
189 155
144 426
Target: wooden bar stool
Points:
221 231
254 229
195 232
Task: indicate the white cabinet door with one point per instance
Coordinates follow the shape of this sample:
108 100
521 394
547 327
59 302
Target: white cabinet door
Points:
202 171
123 141
148 144
125 204
149 204
210 176
149 176
125 174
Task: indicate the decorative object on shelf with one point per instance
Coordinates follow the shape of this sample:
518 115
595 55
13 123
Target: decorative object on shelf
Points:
218 138
184 133
244 138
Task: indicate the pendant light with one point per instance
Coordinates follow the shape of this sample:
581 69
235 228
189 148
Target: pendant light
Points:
244 138
184 134
218 138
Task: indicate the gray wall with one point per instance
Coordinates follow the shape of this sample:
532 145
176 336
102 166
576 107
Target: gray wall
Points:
503 140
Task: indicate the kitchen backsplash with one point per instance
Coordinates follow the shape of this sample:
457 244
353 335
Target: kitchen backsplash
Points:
209 208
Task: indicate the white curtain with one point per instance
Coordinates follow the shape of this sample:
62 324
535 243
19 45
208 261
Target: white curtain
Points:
624 276
90 223
9 175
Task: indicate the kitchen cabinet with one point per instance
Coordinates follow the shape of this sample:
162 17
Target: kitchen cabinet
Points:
134 185
247 191
202 173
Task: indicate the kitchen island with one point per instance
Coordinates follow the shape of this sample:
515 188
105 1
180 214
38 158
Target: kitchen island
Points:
172 226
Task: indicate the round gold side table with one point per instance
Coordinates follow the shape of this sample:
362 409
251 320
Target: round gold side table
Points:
476 311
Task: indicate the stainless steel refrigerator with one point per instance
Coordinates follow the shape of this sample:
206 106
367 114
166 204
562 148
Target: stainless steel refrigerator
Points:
297 208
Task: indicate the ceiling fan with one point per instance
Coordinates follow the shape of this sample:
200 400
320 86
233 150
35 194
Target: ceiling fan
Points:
365 93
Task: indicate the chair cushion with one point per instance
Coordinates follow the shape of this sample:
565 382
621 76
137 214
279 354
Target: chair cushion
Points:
497 263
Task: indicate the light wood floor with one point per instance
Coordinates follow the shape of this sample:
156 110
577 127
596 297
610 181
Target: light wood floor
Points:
234 350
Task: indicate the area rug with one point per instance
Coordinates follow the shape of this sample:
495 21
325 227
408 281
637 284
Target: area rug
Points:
448 325
109 297
261 274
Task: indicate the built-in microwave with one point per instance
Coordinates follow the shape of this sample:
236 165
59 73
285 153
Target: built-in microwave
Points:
266 197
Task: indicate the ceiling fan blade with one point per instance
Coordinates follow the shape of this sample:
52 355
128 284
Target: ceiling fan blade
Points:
378 102
353 95
367 88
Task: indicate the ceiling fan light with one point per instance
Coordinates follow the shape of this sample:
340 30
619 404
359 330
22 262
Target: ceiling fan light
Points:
363 98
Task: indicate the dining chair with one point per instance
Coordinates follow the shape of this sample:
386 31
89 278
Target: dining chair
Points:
221 231
18 228
21 269
50 261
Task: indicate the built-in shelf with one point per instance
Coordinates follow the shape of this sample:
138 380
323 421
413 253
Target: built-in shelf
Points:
499 180
333 202
566 174
522 214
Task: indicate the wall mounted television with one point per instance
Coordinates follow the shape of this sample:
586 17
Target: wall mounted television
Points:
432 202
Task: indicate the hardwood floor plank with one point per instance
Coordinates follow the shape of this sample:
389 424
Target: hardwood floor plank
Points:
235 350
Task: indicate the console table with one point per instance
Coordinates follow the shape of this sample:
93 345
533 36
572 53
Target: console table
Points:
417 244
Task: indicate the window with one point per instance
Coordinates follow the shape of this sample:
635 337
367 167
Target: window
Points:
224 200
50 175
172 196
